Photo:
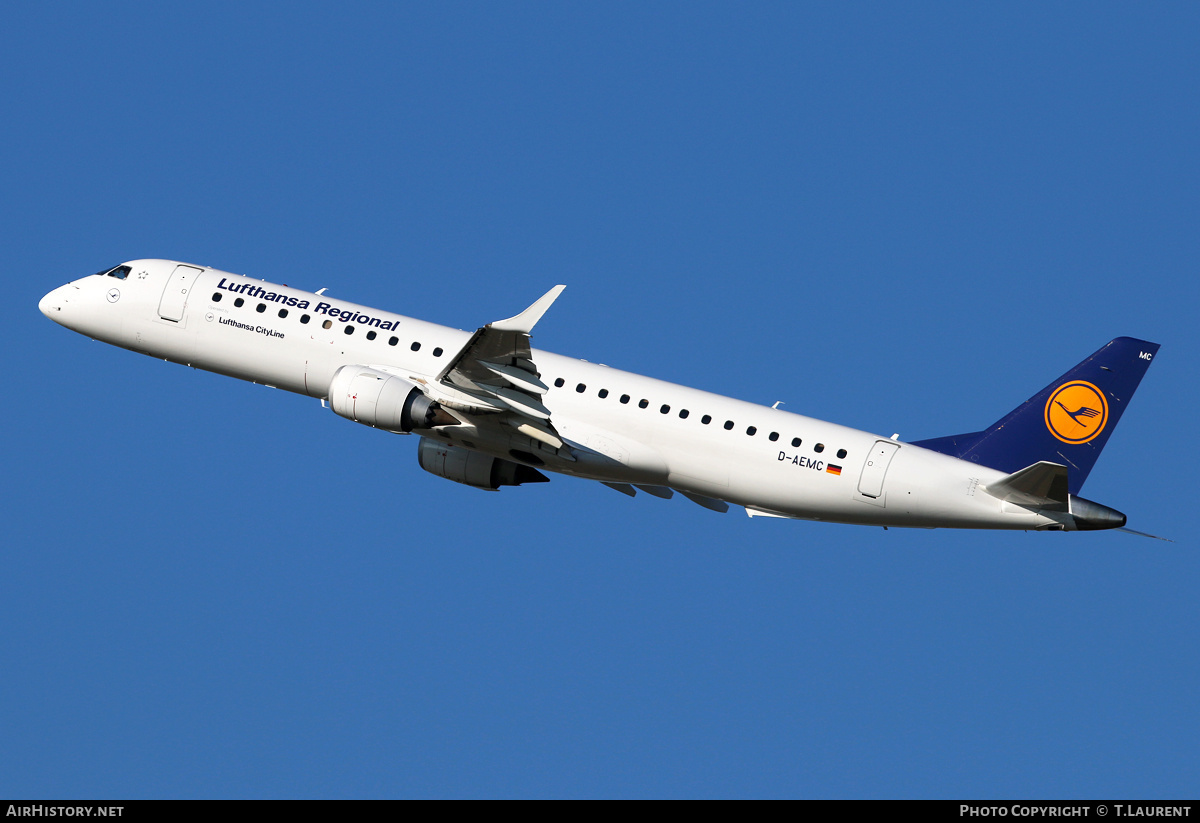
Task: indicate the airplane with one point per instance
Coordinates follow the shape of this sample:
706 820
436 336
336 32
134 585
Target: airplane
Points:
490 411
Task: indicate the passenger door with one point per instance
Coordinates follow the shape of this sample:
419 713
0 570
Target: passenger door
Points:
175 293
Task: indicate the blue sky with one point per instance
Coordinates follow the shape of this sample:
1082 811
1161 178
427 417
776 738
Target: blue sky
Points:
905 218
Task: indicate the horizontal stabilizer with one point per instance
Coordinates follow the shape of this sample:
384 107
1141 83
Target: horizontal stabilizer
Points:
1043 485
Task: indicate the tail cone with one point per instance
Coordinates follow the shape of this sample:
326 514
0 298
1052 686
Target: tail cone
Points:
1091 516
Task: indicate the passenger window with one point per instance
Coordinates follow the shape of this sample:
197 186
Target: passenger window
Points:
437 352
349 330
773 436
841 454
795 442
415 346
728 425
602 393
706 419
751 430
304 318
581 388
239 302
371 335
260 308
624 398
217 297
643 404
283 312
393 341
328 324
683 413
820 447
558 383
665 409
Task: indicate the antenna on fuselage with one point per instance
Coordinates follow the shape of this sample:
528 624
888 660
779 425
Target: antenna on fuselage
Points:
321 290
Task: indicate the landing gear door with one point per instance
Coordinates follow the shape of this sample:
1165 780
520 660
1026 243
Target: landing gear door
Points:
870 484
175 293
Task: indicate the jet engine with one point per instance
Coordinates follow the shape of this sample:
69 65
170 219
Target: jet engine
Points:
473 468
374 398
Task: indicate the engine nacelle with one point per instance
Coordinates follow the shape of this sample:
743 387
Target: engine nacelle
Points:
374 398
473 468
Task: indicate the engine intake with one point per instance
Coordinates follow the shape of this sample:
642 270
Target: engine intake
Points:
473 468
374 398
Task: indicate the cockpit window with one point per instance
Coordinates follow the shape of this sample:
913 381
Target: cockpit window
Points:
119 272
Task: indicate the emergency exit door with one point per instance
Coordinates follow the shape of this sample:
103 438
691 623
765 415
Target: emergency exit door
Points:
870 484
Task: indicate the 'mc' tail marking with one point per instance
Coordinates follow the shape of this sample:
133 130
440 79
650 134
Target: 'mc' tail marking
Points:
1068 421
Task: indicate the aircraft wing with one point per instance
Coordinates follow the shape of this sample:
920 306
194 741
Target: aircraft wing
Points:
496 366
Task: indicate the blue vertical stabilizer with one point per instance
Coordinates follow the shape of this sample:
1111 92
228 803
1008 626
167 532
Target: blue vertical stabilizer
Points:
1068 422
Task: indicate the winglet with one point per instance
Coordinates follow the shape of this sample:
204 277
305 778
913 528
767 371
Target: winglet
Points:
526 320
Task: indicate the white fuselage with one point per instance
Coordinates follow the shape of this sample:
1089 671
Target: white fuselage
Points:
624 427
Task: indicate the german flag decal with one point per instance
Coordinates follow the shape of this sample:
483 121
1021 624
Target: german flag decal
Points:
832 469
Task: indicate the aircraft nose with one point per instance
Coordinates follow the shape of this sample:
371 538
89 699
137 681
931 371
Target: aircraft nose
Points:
52 304
48 305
